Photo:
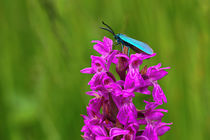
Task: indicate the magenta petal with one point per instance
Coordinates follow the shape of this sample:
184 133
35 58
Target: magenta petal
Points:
155 72
135 62
162 130
95 104
111 58
117 131
87 70
102 138
158 94
143 90
127 113
141 138
120 82
146 56
108 43
98 131
91 93
104 48
150 132
100 47
123 56
142 122
151 105
157 75
155 115
126 94
143 56
161 110
130 81
98 64
94 81
137 59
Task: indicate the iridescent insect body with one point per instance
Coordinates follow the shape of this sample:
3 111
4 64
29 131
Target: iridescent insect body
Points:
124 40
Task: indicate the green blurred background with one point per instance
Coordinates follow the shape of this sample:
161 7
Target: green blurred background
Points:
45 43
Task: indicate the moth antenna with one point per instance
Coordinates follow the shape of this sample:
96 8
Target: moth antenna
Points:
108 30
108 27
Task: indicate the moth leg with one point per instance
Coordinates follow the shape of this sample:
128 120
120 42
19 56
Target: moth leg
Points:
128 51
122 47
125 50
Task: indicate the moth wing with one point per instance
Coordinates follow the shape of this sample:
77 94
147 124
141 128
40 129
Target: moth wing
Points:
138 44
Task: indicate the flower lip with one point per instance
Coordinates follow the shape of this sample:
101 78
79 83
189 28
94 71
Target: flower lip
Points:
105 47
135 63
98 64
161 130
107 81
